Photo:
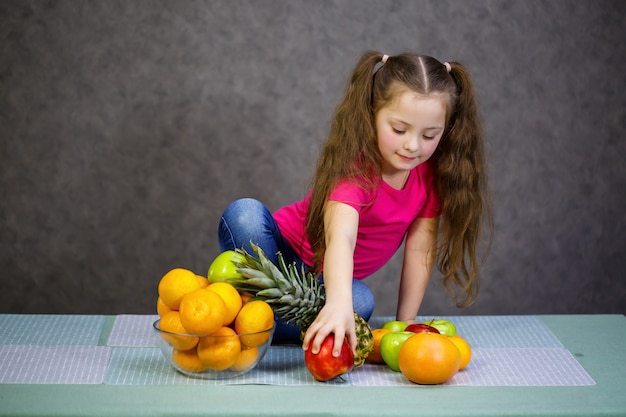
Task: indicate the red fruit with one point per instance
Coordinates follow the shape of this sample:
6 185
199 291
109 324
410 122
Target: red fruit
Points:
421 328
324 366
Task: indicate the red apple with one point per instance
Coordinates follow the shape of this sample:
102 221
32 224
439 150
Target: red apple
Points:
323 365
421 328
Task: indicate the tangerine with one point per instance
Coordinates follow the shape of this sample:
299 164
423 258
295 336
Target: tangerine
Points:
188 360
231 299
175 284
203 281
220 350
254 317
375 356
202 312
175 332
464 348
429 358
246 360
161 307
245 297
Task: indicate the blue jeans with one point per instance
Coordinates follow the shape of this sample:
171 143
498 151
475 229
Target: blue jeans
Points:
248 220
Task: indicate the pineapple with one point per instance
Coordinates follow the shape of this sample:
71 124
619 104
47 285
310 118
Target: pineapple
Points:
296 296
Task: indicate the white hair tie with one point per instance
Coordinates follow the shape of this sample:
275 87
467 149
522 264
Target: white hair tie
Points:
384 59
448 66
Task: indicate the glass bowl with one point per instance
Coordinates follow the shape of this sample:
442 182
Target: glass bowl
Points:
219 356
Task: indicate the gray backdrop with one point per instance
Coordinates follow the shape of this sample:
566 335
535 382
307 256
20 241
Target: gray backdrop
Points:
127 126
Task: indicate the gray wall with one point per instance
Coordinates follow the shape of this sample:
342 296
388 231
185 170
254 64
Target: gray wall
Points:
127 126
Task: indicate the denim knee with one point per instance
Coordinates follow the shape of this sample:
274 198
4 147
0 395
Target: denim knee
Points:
362 299
241 222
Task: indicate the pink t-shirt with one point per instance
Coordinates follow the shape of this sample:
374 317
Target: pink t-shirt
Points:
382 224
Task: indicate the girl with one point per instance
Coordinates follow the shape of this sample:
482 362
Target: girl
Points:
403 162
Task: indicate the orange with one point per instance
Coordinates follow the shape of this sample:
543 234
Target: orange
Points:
188 360
170 322
203 281
161 307
464 348
375 356
175 284
246 359
245 297
202 312
220 350
231 298
255 316
429 358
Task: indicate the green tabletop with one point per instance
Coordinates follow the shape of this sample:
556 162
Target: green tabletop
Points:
597 341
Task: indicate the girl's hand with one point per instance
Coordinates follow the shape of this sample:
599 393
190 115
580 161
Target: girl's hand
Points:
332 319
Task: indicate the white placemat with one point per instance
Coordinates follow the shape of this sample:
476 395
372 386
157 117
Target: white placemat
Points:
523 367
28 364
495 367
507 351
133 330
285 366
43 329
147 366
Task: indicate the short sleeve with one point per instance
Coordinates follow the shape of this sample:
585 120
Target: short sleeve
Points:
352 194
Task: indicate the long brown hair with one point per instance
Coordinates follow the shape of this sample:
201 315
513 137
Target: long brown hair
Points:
351 153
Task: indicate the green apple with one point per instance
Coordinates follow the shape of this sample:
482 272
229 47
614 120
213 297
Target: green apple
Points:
395 325
222 268
445 327
390 345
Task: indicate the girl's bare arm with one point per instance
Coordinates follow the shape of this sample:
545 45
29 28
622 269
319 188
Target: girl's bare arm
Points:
419 260
341 224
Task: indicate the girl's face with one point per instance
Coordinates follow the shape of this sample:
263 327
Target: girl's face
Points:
409 129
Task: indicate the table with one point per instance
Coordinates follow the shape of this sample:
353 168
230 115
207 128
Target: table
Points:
597 342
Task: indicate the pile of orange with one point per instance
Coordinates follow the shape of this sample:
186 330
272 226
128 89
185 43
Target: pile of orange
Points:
210 326
427 358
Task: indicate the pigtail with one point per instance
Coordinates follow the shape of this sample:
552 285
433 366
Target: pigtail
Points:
462 182
352 139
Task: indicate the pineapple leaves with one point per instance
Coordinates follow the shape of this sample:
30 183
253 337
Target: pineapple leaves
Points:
295 294
270 293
